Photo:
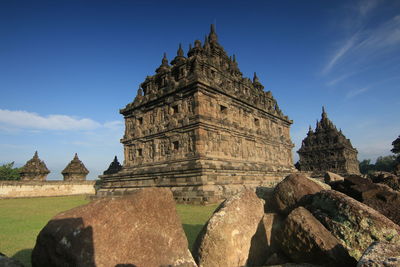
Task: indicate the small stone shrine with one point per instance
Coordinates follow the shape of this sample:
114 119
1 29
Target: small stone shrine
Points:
201 128
327 149
75 170
114 167
34 170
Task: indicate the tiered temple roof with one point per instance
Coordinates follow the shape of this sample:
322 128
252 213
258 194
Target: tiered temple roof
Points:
209 64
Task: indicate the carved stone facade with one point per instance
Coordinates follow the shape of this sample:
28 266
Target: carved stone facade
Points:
327 149
201 128
75 170
34 170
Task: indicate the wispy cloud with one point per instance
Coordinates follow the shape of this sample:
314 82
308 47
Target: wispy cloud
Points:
356 92
340 53
19 119
364 7
365 41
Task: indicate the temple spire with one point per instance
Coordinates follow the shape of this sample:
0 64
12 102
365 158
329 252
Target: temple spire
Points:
36 156
324 115
164 60
255 78
76 156
180 51
212 37
179 56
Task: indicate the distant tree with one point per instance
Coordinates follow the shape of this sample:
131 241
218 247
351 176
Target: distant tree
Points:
396 148
366 166
386 163
8 172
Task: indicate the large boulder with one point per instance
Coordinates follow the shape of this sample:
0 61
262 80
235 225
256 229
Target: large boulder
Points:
385 200
226 238
386 178
378 196
352 222
331 177
294 188
9 262
142 229
305 239
380 254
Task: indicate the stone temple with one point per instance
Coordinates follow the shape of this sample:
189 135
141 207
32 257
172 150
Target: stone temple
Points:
34 169
327 149
201 128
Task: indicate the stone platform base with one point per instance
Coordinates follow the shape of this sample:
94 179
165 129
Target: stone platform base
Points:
198 195
194 181
200 190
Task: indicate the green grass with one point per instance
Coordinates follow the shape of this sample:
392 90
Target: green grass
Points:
22 219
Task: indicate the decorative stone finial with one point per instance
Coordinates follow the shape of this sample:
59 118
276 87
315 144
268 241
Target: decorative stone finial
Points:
34 169
164 60
213 35
180 51
75 170
114 167
197 43
164 64
180 58
255 78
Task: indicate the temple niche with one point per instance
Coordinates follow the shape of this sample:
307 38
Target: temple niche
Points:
34 169
75 170
201 128
327 149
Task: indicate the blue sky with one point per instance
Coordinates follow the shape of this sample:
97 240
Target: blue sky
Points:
67 67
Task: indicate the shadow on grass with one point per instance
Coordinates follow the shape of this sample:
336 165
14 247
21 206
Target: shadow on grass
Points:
192 231
24 256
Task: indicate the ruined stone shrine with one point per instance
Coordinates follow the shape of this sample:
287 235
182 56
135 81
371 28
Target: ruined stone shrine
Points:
34 169
75 170
327 149
201 128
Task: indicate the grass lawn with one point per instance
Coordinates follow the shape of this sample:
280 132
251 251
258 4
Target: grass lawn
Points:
22 219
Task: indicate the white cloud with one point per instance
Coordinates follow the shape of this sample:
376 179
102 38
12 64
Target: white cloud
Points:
19 119
365 43
114 125
356 92
340 53
365 6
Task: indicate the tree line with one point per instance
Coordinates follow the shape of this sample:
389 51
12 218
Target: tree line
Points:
8 172
386 163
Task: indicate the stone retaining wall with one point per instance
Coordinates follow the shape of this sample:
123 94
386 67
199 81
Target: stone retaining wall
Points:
16 189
